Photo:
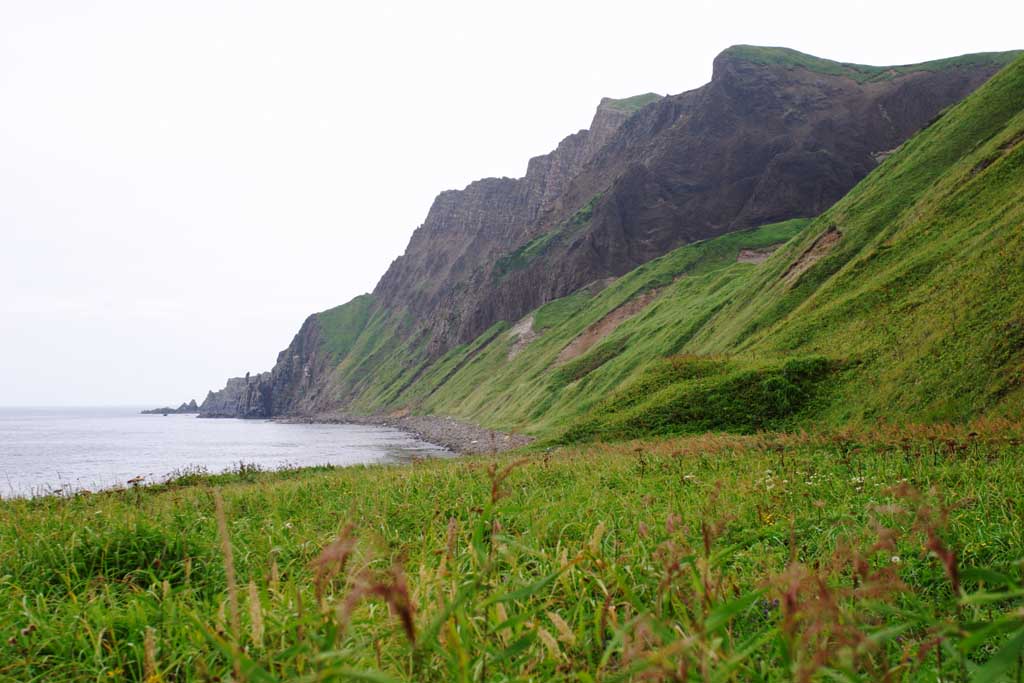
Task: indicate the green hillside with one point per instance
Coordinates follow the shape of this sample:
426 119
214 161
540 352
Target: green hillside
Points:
903 302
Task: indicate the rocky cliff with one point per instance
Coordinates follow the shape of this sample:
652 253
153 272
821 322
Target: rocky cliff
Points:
247 396
761 142
774 135
468 230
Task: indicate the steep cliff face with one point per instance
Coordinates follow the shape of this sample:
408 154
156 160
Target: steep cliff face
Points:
247 396
774 135
290 387
467 230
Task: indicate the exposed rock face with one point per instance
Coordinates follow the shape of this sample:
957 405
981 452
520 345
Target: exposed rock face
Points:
771 137
289 388
468 230
247 396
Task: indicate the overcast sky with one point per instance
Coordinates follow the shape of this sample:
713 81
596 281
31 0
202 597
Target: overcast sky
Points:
182 183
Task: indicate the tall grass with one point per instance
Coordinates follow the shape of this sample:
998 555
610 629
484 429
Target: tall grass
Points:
890 554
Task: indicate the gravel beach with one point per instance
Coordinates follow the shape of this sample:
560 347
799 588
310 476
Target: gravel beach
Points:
456 435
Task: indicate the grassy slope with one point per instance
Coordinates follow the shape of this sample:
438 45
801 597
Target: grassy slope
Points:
530 392
924 289
919 304
702 552
342 325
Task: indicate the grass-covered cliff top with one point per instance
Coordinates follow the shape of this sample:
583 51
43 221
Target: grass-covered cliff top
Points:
631 104
861 72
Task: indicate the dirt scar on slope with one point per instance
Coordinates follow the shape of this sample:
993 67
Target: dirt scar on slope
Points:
605 326
757 255
814 253
523 333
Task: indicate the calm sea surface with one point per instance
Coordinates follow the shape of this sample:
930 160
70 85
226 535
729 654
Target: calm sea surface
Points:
43 449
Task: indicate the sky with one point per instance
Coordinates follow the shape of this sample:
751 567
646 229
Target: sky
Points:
182 183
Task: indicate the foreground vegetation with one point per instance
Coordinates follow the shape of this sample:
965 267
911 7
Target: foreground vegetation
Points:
884 555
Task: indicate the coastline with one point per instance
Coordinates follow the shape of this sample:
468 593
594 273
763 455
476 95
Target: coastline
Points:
464 438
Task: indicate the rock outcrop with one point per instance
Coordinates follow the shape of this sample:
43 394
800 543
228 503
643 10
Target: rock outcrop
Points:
467 231
247 396
183 409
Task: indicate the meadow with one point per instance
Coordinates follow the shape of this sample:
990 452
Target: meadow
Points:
856 555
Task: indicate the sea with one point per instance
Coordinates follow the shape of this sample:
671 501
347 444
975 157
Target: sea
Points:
63 450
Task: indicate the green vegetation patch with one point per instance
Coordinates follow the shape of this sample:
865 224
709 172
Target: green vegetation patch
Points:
587 363
691 395
631 104
341 326
558 311
524 255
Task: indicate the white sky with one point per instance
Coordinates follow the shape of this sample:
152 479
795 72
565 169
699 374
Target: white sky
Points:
182 183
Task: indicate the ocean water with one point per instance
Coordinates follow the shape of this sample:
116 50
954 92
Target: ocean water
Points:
45 449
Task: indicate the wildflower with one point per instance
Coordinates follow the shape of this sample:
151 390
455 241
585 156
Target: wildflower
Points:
768 606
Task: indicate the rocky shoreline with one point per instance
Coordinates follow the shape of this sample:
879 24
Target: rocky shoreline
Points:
461 437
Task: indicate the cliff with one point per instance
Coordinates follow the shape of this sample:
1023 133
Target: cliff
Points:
774 135
762 142
467 231
247 396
